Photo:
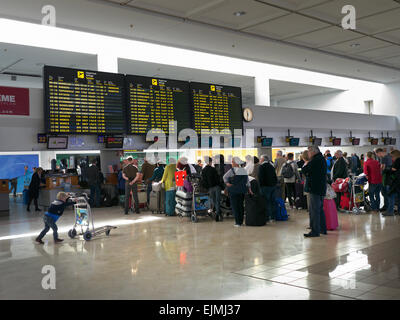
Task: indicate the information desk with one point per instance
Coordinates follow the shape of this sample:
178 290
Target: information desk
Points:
153 103
4 197
216 107
83 102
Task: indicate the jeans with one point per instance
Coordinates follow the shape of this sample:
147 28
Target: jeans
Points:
170 202
148 191
237 204
391 201
95 195
215 197
317 215
291 192
375 196
35 200
270 203
128 189
48 223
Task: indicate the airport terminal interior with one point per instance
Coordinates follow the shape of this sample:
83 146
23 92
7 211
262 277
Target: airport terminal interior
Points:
199 150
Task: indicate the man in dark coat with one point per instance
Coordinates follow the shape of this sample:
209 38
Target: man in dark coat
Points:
315 171
34 188
339 170
93 176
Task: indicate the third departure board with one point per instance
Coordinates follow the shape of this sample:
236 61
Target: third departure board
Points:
216 107
84 102
153 102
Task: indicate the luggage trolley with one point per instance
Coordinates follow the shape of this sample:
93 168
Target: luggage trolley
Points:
358 197
200 201
84 220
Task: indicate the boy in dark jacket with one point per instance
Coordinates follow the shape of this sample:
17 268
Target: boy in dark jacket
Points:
315 170
51 216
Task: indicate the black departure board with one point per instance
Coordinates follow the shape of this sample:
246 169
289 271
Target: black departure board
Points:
84 102
153 102
216 107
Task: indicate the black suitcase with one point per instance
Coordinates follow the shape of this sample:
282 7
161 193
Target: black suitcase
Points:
254 208
300 199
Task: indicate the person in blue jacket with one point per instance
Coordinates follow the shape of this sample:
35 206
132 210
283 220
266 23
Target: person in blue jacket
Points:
329 165
51 216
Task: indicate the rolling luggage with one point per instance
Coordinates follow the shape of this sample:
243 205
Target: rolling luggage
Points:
254 209
183 211
225 205
331 214
157 201
300 200
25 196
281 213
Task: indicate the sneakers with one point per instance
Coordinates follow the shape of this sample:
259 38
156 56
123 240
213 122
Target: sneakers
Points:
387 214
39 241
237 225
58 240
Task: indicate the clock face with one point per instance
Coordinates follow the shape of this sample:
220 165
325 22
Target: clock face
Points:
247 114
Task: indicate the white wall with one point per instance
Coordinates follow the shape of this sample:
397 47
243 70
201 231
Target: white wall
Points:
386 102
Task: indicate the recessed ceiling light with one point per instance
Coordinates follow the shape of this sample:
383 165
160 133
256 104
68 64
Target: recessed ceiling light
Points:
355 45
239 13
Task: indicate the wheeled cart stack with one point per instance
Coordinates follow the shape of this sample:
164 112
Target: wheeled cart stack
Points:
358 201
84 220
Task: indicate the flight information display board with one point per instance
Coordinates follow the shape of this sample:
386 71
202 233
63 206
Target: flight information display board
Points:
84 102
153 103
216 107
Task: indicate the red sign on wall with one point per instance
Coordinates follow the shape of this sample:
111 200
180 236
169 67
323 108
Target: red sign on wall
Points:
14 101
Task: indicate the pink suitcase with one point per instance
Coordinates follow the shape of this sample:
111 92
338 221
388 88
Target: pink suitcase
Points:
331 214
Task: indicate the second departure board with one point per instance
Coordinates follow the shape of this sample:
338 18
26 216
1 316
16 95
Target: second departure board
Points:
154 102
84 102
216 107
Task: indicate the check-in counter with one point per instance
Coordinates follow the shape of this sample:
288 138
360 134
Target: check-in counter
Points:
4 197
56 183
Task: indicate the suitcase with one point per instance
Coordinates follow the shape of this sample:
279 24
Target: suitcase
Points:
157 202
254 208
281 213
183 198
25 196
183 211
300 200
225 205
331 214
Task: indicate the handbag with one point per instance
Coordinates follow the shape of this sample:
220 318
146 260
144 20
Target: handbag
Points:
330 193
157 186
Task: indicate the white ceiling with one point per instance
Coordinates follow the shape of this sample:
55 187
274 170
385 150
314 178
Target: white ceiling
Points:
300 33
314 24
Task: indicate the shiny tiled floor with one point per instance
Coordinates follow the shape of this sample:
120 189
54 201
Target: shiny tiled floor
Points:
154 257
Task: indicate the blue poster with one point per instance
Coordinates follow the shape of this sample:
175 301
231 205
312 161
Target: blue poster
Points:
12 166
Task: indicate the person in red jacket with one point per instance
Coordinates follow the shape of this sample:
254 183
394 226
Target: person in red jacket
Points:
372 169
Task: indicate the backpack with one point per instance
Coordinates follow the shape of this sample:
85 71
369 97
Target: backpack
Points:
287 170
